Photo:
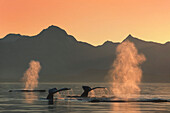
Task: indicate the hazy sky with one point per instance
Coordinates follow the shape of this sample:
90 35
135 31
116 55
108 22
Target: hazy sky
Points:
92 21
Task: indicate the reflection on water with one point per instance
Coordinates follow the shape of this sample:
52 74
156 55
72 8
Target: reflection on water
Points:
34 102
125 108
60 106
30 97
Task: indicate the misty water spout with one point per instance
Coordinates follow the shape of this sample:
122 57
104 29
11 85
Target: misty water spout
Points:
101 92
31 76
126 73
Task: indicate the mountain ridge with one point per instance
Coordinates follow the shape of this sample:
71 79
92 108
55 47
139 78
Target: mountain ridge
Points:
53 28
62 57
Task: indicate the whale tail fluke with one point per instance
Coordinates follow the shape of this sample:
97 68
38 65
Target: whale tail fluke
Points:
52 91
63 89
87 89
98 87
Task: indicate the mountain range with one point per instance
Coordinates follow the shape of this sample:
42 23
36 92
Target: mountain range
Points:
64 59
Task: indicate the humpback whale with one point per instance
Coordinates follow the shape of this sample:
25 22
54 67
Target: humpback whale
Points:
52 91
86 91
25 90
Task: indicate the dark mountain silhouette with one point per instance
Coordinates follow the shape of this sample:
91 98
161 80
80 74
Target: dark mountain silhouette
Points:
63 58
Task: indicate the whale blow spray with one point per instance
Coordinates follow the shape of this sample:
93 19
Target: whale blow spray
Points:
126 73
31 76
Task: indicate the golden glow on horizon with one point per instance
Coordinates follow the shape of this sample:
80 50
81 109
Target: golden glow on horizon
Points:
92 21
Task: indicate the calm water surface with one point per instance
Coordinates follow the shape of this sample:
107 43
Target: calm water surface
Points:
36 102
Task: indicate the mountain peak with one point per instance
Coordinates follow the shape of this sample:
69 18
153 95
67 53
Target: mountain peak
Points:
53 30
11 37
53 27
167 43
107 42
129 36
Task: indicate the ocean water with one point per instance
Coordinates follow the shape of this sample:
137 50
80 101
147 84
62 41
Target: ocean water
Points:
36 102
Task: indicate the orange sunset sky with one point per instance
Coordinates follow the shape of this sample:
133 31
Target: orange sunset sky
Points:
92 21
